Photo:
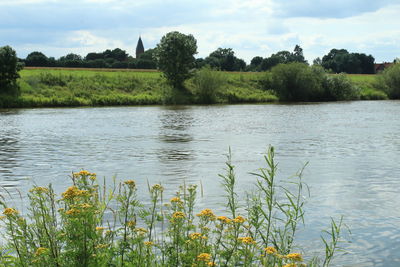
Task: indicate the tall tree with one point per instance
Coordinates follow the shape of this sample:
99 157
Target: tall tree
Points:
9 68
175 57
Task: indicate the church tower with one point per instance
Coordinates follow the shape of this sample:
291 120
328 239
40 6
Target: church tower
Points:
139 47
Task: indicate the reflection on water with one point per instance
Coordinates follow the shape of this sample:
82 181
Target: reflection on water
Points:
9 147
353 150
175 146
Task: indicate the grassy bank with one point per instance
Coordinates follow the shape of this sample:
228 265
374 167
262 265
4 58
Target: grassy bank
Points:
52 87
89 225
82 87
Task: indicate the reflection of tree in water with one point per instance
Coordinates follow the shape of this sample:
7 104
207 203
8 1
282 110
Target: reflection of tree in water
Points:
175 135
8 146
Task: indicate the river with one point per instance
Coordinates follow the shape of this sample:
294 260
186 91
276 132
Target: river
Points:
352 150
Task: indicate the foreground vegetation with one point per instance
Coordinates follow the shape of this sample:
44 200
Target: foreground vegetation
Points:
92 226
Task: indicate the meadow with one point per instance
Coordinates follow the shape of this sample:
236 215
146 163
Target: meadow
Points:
59 87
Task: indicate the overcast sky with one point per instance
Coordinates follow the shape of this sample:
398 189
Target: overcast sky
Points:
250 27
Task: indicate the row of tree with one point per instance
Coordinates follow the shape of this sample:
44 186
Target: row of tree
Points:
337 60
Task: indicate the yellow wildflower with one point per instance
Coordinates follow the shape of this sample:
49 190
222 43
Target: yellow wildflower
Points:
99 228
157 187
211 263
176 200
85 206
178 215
73 211
207 213
100 246
239 219
294 257
130 183
39 190
131 224
41 251
270 250
224 219
204 257
148 243
195 236
73 192
10 211
246 240
290 265
140 231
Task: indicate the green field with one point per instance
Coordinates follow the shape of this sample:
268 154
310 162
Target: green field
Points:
42 87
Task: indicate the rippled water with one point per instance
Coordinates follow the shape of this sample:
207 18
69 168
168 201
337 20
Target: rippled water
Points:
353 150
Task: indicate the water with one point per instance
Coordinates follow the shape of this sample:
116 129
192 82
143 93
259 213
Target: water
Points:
353 150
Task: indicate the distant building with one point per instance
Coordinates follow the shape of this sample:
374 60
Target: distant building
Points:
382 66
139 47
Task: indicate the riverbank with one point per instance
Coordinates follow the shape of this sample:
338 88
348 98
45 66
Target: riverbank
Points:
55 87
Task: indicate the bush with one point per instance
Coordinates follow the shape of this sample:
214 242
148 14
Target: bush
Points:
86 226
207 82
338 88
9 69
297 82
389 81
372 94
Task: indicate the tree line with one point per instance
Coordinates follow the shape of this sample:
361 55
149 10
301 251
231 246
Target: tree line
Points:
336 61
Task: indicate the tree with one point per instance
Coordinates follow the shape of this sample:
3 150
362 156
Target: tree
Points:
9 68
36 59
175 57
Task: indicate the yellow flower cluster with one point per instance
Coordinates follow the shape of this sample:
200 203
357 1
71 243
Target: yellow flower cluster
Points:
39 190
204 257
100 246
211 263
239 219
73 192
84 173
72 212
270 250
130 183
247 240
99 228
131 224
157 187
178 215
224 219
10 211
176 200
85 206
294 257
41 251
290 265
140 231
207 213
195 236
148 243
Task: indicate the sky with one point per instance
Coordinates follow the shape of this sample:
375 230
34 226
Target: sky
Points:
250 27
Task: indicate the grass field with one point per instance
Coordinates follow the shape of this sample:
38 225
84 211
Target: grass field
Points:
57 87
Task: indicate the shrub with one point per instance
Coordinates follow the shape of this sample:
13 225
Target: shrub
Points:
372 94
338 88
207 82
86 226
297 82
389 81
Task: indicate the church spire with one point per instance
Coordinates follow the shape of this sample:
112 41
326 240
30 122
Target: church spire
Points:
139 47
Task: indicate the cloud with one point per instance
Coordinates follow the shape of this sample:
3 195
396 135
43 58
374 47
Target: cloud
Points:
329 8
250 27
